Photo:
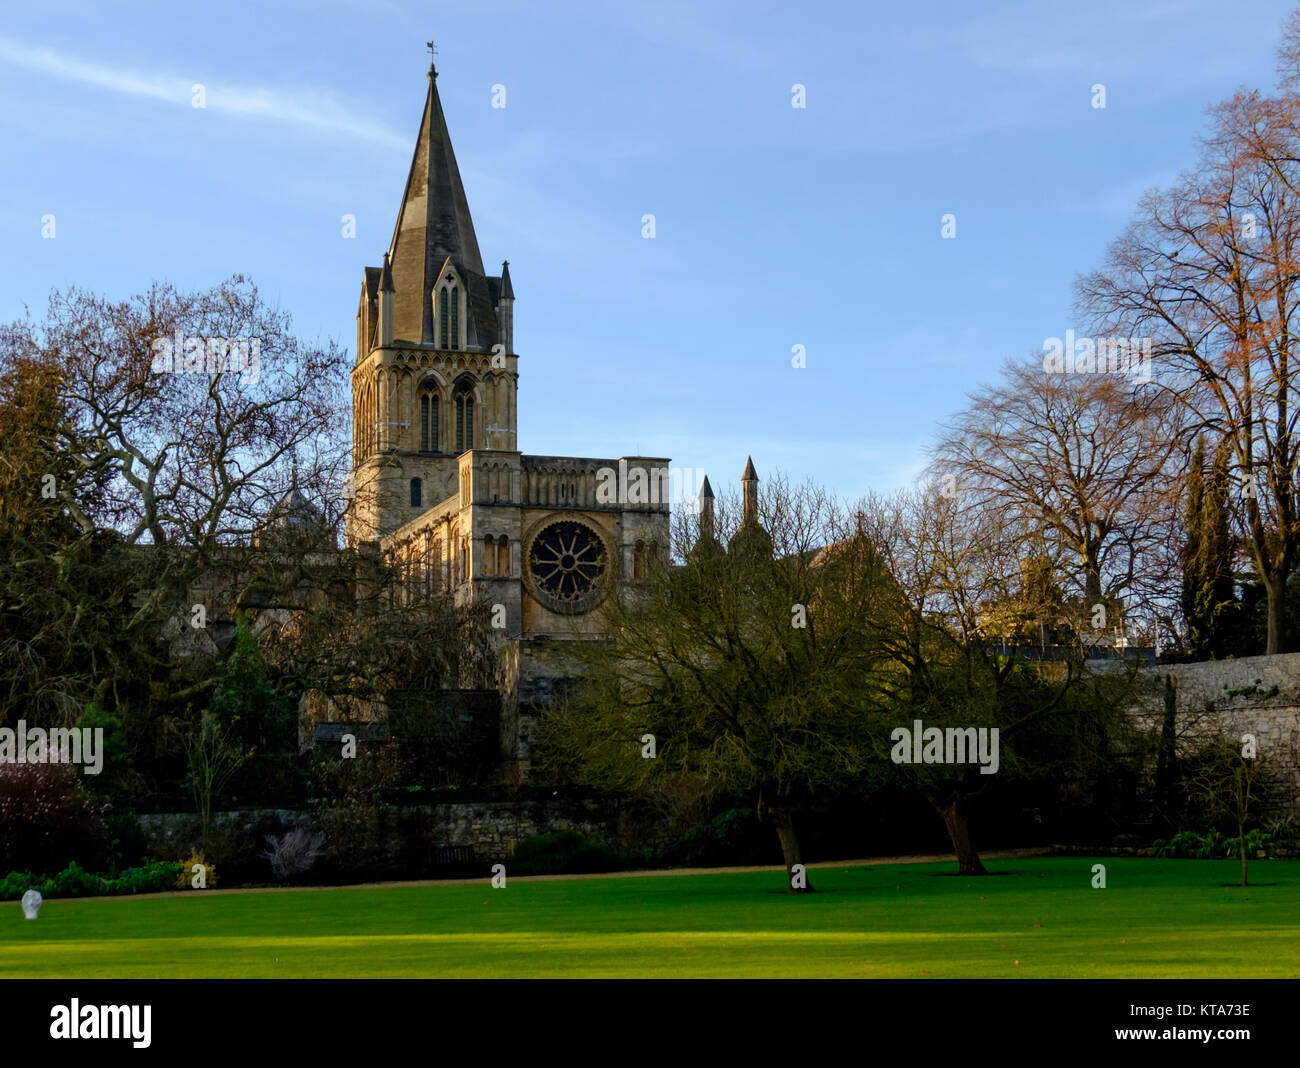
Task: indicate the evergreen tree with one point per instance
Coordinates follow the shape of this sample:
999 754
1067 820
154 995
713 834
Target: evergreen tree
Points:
1211 606
246 704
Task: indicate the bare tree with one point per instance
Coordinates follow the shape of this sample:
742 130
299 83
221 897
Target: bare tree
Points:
1208 271
1231 783
956 567
1084 468
181 419
213 755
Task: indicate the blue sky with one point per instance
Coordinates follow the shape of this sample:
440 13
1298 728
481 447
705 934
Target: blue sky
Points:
775 226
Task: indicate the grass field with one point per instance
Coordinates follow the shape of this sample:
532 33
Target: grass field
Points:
1039 919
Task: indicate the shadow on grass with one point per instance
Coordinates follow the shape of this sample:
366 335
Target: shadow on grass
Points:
958 875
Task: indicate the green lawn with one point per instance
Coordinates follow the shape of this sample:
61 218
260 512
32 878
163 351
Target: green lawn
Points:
1040 919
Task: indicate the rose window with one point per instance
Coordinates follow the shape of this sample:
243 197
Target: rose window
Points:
566 567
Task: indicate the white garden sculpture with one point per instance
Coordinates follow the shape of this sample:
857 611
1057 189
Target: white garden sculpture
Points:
32 903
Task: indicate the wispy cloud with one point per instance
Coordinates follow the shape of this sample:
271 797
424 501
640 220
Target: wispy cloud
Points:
307 107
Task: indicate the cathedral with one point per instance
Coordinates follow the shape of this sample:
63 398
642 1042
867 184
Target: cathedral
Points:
438 483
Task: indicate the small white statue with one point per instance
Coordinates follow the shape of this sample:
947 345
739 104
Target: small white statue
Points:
32 903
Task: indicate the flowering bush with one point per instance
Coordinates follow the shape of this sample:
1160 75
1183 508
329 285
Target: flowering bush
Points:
47 819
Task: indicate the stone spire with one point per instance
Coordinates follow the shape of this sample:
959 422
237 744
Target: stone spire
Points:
434 226
750 537
749 486
706 510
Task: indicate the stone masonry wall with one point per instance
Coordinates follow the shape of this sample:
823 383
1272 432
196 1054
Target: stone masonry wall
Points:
1257 695
406 835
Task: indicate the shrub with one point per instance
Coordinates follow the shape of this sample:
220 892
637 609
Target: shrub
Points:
731 837
186 873
127 842
349 810
158 876
1285 830
74 882
293 853
17 883
153 878
1211 845
562 853
46 818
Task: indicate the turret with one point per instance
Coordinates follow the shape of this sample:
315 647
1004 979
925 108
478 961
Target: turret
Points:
386 305
506 310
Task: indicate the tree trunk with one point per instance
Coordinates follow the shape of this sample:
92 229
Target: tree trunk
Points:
1091 575
1276 619
1241 848
957 821
1166 758
782 821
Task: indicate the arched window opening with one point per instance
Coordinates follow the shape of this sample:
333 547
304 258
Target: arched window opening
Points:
443 317
464 420
503 556
429 421
455 317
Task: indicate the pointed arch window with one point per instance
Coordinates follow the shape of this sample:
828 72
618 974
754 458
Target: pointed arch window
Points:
464 405
429 420
449 314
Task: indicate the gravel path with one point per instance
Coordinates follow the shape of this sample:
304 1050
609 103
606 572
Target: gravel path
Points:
868 862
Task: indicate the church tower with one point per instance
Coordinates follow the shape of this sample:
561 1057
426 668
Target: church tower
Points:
440 490
436 373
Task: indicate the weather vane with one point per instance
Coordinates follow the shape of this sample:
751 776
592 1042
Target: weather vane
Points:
433 51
